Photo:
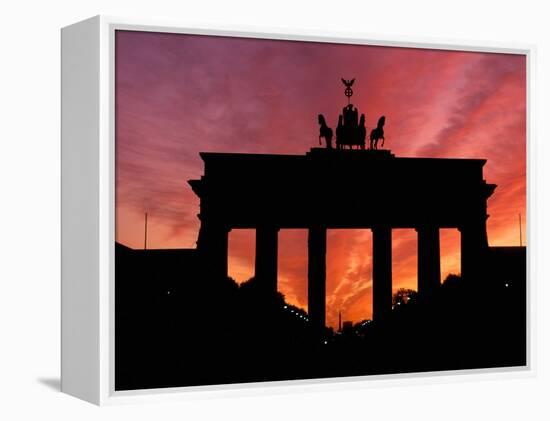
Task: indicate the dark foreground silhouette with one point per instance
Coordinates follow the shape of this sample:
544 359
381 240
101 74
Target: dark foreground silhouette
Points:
181 322
186 331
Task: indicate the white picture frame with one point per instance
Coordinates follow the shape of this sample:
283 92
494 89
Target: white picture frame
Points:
88 225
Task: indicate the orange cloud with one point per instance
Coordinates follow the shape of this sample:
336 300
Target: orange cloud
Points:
178 95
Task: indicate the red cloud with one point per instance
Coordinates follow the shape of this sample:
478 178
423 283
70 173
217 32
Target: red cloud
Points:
178 95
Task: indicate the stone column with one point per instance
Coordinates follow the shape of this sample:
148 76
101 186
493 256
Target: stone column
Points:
317 256
266 256
429 263
473 245
212 246
381 272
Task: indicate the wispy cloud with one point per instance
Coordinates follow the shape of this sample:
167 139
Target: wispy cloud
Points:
178 95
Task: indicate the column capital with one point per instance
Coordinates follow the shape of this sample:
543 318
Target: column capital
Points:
267 226
488 190
220 226
381 227
426 227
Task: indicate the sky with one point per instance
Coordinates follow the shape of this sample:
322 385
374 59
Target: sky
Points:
178 95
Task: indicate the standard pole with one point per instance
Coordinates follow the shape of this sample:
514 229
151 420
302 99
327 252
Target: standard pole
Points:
145 241
520 239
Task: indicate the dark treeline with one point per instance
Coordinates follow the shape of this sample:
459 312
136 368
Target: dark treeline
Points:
174 330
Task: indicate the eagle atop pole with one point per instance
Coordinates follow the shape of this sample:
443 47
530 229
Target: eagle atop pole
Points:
348 92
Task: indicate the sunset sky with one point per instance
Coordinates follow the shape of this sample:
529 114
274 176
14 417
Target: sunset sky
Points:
178 95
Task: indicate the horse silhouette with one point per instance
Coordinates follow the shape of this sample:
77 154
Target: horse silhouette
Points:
377 133
325 132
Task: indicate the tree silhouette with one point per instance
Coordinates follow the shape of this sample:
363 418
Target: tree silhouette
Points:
403 296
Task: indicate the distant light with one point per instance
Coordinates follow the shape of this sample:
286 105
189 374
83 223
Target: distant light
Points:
506 285
168 292
326 342
285 306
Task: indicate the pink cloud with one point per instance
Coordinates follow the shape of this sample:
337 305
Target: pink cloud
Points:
178 95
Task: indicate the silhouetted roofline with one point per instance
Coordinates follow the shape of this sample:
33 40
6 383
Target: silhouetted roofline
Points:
507 248
317 151
204 155
163 250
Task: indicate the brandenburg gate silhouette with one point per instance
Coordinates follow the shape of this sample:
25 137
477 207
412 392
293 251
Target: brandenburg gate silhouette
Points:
341 188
